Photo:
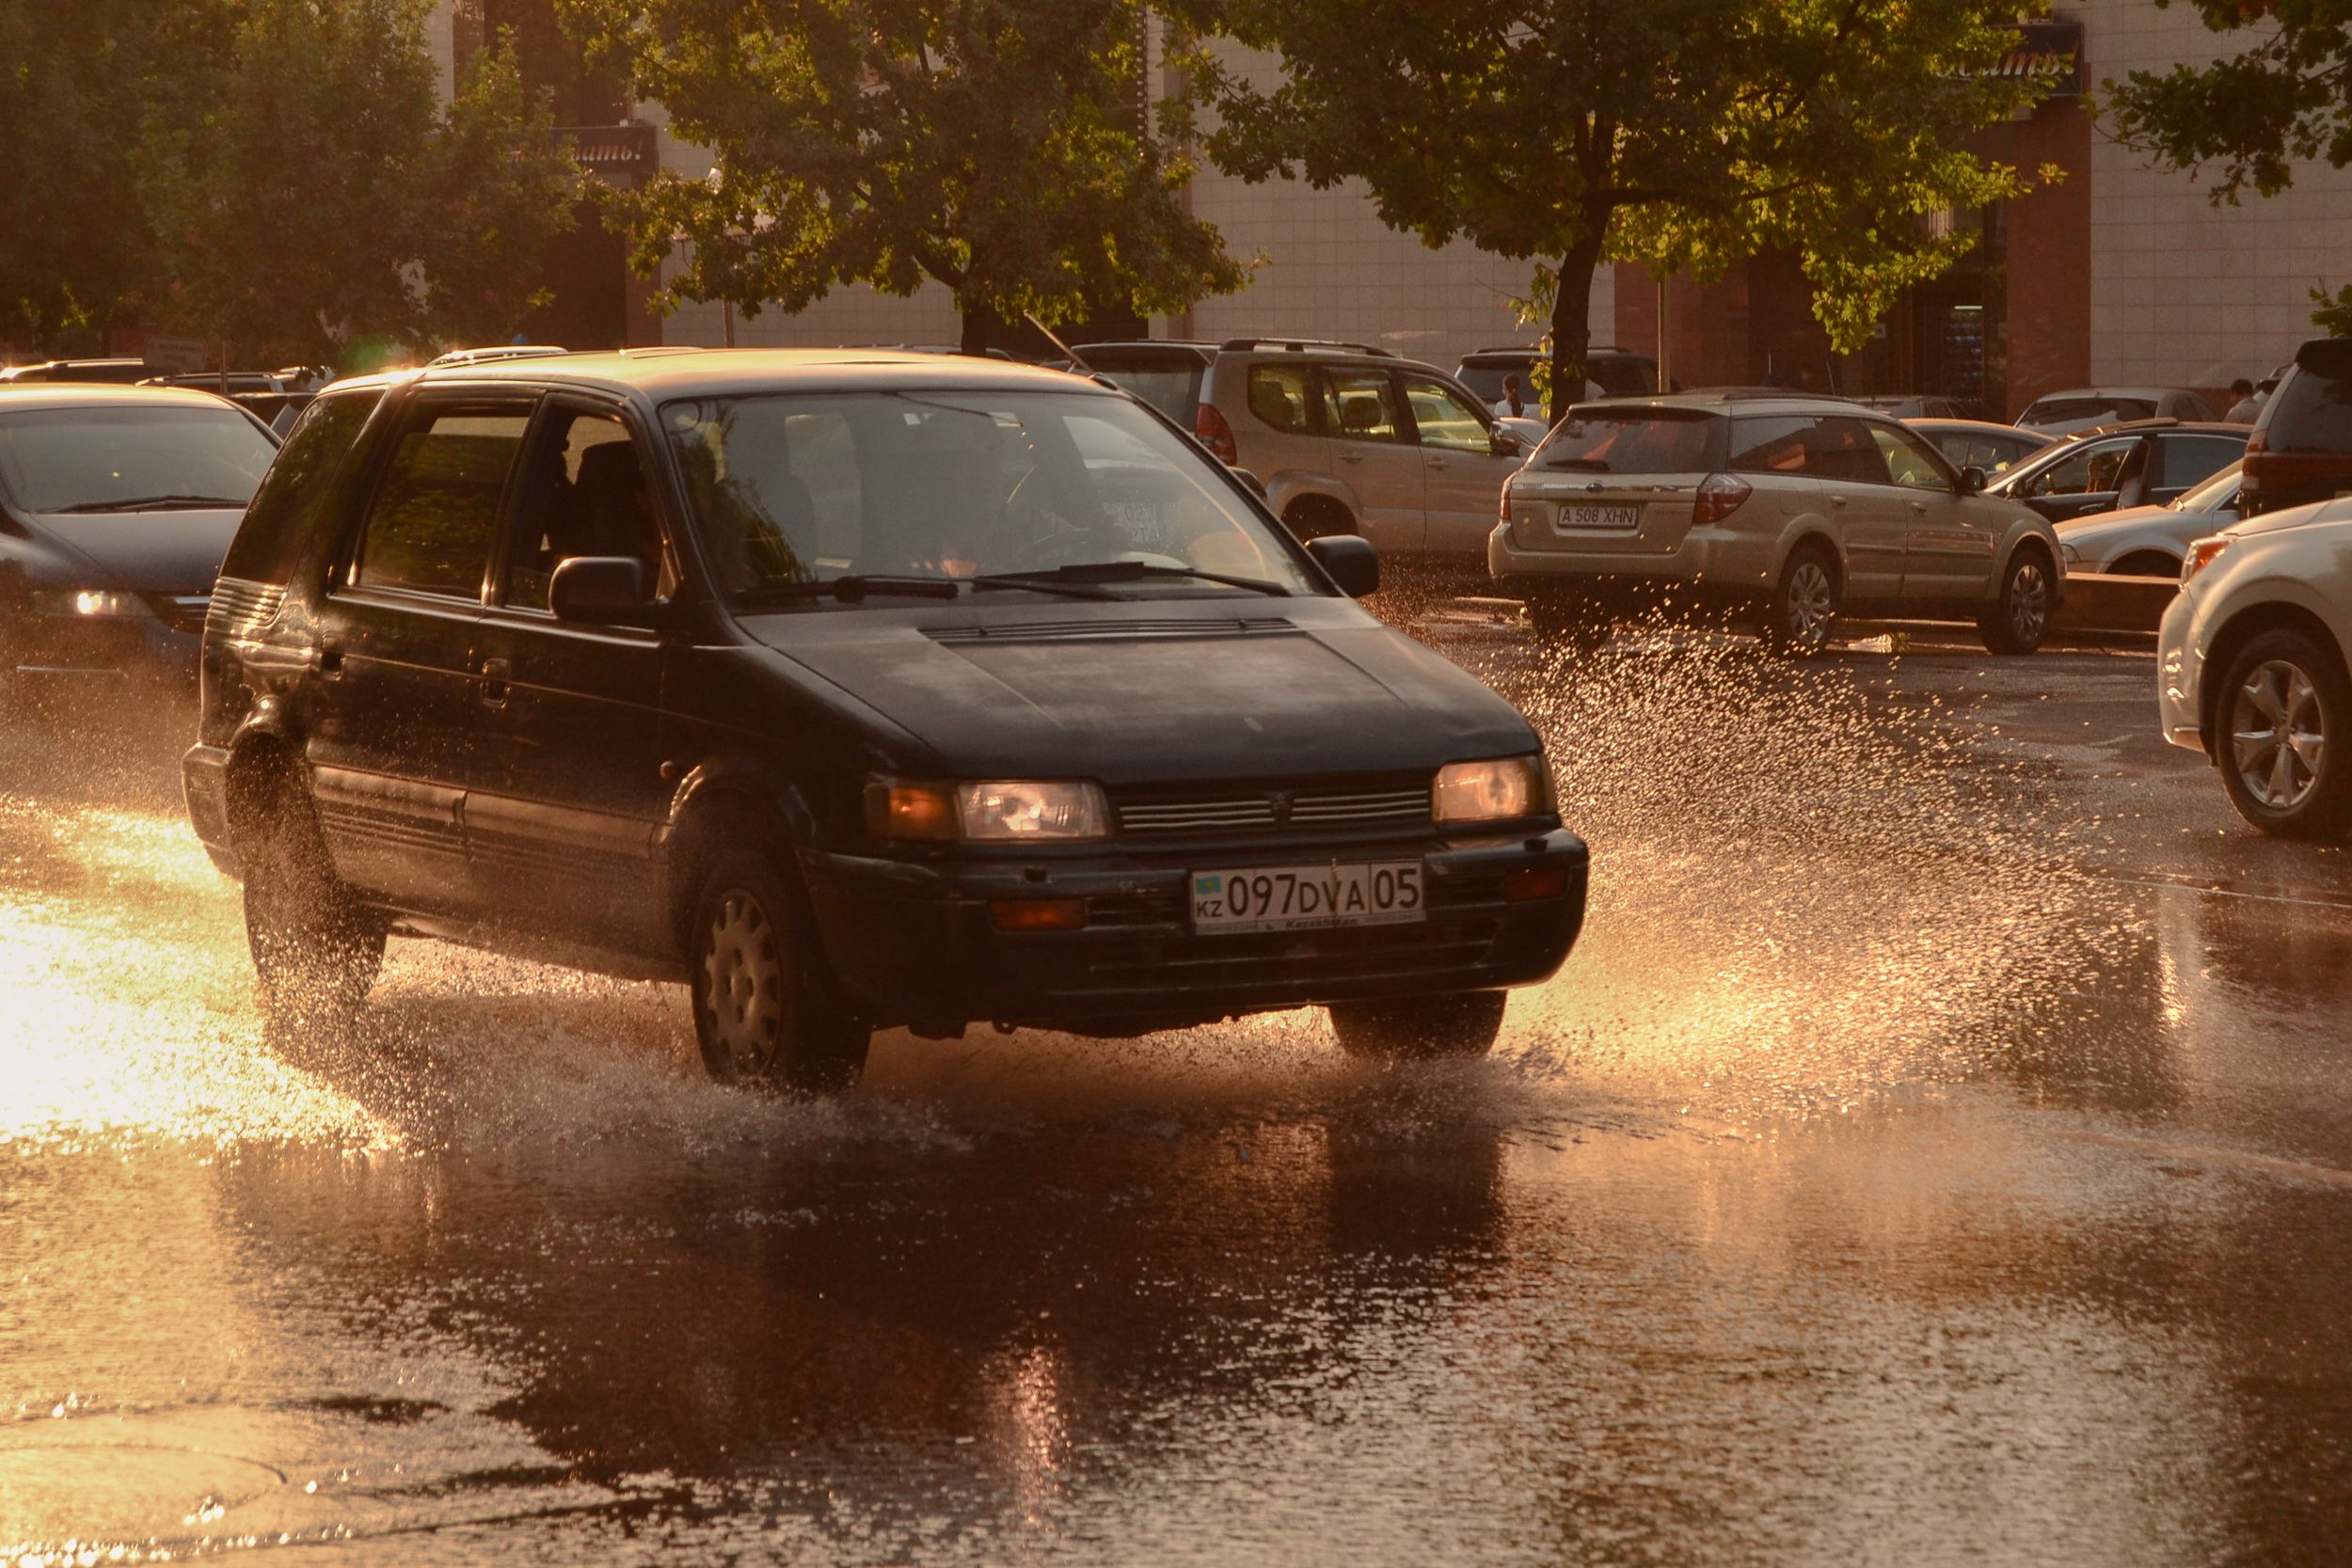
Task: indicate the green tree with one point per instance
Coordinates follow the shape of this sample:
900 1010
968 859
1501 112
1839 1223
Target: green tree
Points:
1683 134
321 190
995 148
80 85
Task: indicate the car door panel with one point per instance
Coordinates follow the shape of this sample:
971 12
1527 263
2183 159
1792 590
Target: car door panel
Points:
1372 455
1463 476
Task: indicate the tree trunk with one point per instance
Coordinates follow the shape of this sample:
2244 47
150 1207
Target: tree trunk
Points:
1571 324
976 324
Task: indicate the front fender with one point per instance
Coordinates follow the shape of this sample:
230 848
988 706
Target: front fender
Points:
1292 484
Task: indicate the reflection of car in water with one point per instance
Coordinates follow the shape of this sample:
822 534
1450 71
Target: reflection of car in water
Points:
854 691
116 503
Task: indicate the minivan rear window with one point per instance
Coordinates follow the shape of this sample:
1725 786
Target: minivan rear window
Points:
2312 411
297 487
1635 441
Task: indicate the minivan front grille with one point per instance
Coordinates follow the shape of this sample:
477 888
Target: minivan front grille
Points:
1229 810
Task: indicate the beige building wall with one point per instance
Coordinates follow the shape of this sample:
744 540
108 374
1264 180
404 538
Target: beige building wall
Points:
2184 293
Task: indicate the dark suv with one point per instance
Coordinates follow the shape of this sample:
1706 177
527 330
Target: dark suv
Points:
2300 449
853 690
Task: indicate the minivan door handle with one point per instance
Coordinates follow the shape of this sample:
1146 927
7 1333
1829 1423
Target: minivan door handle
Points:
495 674
328 658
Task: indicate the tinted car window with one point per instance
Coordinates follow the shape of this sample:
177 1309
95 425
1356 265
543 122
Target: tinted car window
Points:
298 487
2092 468
101 457
2088 411
2217 494
1442 419
1486 381
791 488
587 494
1278 396
2187 459
1622 376
1773 445
1635 441
436 507
1835 447
1173 388
2309 412
1360 406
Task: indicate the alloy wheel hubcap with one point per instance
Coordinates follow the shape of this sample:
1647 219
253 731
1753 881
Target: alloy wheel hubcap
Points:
2277 734
2029 600
743 981
1810 603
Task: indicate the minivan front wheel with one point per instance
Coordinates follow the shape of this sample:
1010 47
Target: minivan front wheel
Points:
2285 710
766 1009
2018 621
1420 1028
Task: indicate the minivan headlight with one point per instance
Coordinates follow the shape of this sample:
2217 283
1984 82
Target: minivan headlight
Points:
1498 789
88 602
990 811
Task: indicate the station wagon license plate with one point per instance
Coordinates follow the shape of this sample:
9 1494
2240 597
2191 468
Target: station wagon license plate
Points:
1307 897
1621 519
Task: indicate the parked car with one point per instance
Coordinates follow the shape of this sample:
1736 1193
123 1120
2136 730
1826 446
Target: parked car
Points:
2063 413
1796 508
1609 371
117 372
212 381
1982 444
2151 540
2251 666
2301 446
1914 405
852 690
116 504
2147 462
1345 437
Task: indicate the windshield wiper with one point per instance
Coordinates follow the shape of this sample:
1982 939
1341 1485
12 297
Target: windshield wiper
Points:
853 588
150 503
1129 570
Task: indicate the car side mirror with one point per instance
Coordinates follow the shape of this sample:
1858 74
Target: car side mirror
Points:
1970 480
1348 561
602 590
1504 443
1256 485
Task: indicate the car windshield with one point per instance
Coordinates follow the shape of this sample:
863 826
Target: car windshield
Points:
2217 494
119 458
2082 413
1634 441
792 490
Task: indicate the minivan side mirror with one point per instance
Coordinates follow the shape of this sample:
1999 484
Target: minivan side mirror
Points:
602 589
1504 443
1350 561
1970 480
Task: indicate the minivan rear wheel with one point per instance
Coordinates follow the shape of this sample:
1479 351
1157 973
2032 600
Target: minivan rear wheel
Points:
1420 1028
316 948
2282 719
767 1011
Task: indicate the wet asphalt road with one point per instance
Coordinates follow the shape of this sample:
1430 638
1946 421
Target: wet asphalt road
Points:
1937 1151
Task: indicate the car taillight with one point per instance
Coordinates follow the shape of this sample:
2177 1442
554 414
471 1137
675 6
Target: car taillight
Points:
2258 441
1215 435
1720 496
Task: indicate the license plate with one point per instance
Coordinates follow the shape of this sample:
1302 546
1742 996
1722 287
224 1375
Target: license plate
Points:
1307 897
1624 519
1136 515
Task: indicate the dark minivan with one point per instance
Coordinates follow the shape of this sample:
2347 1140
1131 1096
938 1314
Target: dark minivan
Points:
853 690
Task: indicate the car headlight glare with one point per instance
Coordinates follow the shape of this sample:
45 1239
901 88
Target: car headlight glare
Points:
994 811
1499 789
89 602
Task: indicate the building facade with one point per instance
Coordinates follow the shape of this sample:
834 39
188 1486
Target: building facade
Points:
2118 273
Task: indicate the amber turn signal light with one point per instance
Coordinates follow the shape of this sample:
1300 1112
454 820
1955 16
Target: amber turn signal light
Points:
905 808
1038 914
1534 882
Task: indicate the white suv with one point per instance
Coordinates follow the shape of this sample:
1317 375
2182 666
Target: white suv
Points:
1799 507
1346 438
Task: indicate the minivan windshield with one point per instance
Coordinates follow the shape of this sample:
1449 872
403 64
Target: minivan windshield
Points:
896 491
164 457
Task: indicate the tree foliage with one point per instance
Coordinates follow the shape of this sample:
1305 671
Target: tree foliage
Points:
279 173
2284 100
996 148
1683 134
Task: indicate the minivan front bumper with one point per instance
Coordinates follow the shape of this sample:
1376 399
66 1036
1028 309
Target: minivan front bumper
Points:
916 942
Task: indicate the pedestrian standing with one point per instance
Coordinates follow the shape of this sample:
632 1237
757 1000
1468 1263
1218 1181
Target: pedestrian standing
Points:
2248 404
1511 406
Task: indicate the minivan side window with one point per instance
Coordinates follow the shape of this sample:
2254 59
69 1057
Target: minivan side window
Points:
436 507
587 494
1359 406
297 490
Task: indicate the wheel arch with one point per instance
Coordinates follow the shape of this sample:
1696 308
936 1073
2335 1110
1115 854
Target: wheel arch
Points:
720 791
264 755
1316 495
1808 532
2242 626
